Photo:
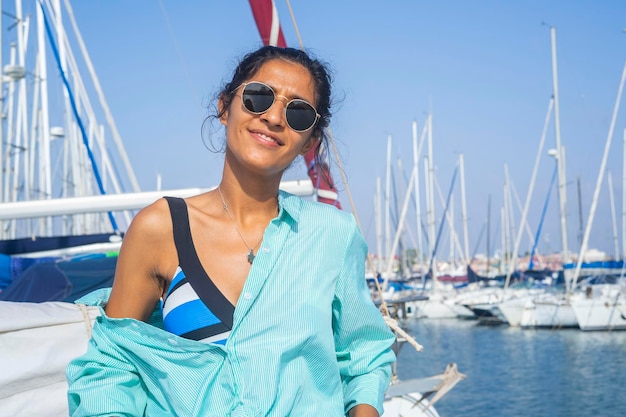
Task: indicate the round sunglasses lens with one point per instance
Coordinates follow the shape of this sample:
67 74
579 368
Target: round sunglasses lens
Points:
300 115
257 97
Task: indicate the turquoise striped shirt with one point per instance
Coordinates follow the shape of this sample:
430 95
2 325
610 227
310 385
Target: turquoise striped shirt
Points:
306 339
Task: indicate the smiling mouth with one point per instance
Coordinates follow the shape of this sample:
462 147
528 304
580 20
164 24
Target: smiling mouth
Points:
267 138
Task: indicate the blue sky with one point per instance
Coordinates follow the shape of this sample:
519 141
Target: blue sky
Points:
482 67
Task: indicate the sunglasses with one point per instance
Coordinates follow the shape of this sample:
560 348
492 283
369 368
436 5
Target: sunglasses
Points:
257 98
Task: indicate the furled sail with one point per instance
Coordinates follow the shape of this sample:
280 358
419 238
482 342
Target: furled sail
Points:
266 18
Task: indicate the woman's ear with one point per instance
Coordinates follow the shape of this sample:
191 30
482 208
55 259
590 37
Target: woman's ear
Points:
222 111
313 142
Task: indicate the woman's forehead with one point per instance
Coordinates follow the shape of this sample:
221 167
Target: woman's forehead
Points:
286 78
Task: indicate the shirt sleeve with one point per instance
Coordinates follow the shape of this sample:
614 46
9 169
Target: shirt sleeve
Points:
362 338
104 383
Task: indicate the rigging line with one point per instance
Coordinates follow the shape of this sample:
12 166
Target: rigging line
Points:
117 139
383 306
295 25
543 215
79 121
179 53
344 179
443 220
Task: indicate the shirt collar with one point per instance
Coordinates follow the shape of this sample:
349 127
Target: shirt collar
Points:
290 205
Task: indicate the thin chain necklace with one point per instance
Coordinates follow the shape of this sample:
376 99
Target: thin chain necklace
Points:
251 254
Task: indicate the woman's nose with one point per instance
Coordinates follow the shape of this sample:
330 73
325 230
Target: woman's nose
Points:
275 115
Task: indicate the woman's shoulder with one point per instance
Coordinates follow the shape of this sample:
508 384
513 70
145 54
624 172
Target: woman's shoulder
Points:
154 219
328 211
321 214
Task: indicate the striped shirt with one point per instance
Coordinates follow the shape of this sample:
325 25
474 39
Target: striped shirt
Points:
306 339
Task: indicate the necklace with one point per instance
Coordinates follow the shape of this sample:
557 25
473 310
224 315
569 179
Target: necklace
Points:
251 254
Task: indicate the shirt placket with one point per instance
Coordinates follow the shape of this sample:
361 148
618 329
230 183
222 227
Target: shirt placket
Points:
274 239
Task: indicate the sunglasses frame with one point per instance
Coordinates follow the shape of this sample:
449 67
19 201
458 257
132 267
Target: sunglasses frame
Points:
298 100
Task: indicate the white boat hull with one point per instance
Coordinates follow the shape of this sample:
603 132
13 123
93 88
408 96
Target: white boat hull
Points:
405 406
603 312
432 309
548 314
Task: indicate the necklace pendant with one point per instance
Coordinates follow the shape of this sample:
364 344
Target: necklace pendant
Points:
250 256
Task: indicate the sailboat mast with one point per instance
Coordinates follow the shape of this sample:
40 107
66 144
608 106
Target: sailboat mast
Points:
613 217
2 169
560 155
453 236
464 209
504 217
431 199
379 225
388 201
508 219
418 204
624 198
400 228
594 201
580 212
529 194
488 233
45 173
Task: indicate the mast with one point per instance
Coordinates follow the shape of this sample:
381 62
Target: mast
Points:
508 219
596 192
2 165
379 225
488 233
560 156
388 201
9 136
450 216
427 194
45 173
399 190
431 198
400 228
580 213
464 210
613 217
418 204
105 107
502 236
531 187
624 198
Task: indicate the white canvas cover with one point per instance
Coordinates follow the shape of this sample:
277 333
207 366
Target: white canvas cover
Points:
37 341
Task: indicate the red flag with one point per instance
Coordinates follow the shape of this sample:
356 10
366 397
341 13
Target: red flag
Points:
322 181
266 18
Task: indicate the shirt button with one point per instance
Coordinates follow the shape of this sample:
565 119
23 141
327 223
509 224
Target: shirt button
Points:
266 249
247 296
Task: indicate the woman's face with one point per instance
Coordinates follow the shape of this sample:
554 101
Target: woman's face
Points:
265 143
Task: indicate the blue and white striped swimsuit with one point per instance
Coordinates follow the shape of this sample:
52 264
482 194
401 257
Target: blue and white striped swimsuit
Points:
193 308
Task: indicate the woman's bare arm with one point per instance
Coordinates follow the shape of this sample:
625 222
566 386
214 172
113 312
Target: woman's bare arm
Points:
143 267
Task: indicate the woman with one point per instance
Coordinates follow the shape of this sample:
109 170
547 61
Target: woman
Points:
304 339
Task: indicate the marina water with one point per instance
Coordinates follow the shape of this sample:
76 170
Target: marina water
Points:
513 372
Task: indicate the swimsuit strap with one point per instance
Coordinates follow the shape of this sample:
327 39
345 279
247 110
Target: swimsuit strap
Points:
189 262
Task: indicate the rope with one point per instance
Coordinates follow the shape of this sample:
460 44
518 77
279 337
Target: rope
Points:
86 318
79 120
392 323
295 25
